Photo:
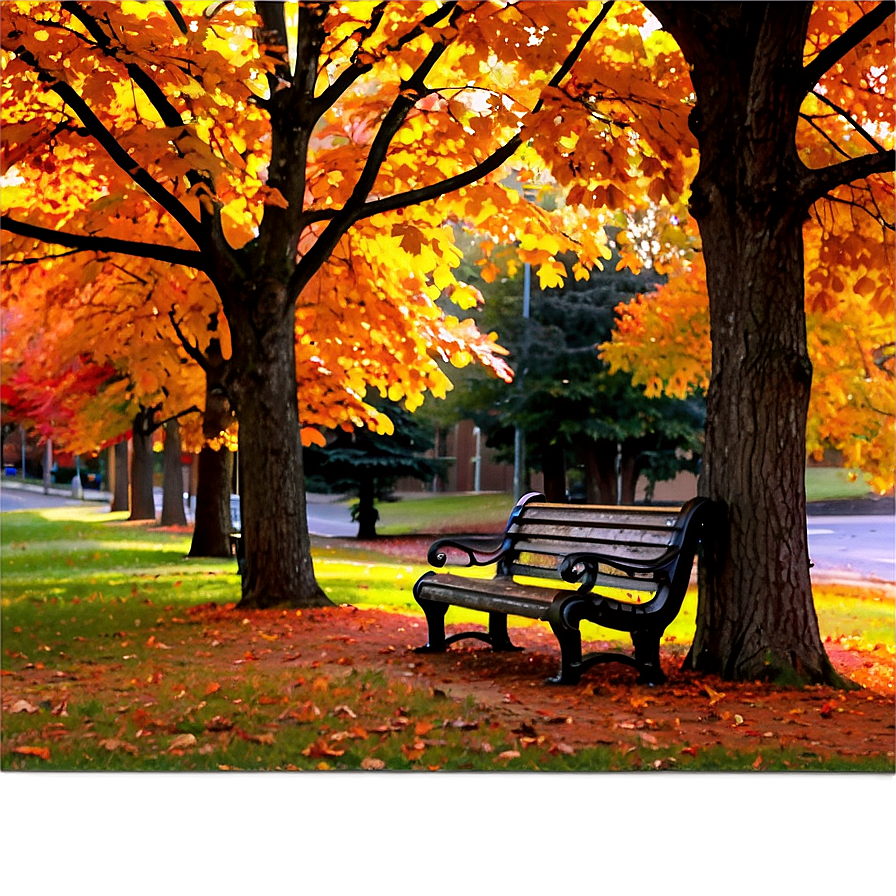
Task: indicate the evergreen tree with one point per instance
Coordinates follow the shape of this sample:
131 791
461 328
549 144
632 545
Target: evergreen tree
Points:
577 417
366 464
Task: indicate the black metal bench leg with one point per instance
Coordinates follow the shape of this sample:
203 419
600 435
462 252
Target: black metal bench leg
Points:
435 620
497 630
647 655
570 640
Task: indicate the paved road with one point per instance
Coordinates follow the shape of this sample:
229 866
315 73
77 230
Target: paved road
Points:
853 547
13 499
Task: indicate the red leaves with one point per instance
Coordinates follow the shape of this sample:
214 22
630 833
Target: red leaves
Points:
39 752
321 748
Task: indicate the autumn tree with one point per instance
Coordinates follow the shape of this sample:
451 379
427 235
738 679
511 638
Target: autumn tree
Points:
307 168
269 162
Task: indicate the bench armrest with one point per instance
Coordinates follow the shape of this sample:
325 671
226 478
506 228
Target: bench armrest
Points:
480 550
586 566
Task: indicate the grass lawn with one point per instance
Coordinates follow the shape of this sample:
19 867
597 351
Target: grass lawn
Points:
120 653
488 512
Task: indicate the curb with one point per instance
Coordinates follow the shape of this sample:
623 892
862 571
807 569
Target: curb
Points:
59 492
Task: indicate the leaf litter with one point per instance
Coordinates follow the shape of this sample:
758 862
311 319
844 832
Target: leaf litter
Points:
181 699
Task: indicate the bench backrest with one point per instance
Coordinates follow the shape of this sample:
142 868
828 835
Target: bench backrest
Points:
540 535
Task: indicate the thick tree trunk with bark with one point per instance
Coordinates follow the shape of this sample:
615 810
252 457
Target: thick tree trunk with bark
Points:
142 462
173 513
755 618
279 569
211 532
121 495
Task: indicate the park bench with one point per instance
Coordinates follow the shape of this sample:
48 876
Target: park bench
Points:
641 556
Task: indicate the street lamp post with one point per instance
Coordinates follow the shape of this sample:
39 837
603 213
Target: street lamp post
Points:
519 437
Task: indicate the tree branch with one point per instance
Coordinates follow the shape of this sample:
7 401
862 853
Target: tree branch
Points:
816 183
86 243
350 74
494 161
189 348
849 118
851 38
116 152
39 258
409 92
190 410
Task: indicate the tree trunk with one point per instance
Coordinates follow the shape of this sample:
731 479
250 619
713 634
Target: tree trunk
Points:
279 570
120 497
142 462
600 471
755 618
553 467
211 532
173 513
367 512
630 467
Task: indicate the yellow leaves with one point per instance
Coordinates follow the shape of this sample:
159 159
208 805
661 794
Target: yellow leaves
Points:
551 274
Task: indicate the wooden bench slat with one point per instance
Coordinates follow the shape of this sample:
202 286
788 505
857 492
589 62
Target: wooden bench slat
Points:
592 515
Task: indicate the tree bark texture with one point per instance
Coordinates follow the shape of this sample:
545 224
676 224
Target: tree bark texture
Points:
142 462
211 532
755 618
173 513
121 495
279 568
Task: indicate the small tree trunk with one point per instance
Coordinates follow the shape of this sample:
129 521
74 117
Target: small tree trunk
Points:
211 533
630 470
367 512
600 471
553 468
279 569
142 463
173 513
120 496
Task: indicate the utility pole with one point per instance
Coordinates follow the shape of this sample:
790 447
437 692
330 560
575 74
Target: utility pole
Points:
519 437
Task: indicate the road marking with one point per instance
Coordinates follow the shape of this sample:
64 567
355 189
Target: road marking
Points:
820 532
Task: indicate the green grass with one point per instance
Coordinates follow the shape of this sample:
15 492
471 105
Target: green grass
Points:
433 514
445 513
831 483
108 636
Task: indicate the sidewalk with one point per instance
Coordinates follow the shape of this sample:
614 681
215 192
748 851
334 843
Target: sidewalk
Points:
59 491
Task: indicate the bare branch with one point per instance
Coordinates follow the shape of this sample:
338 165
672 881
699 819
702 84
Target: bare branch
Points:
849 40
817 182
189 348
83 243
39 258
850 119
